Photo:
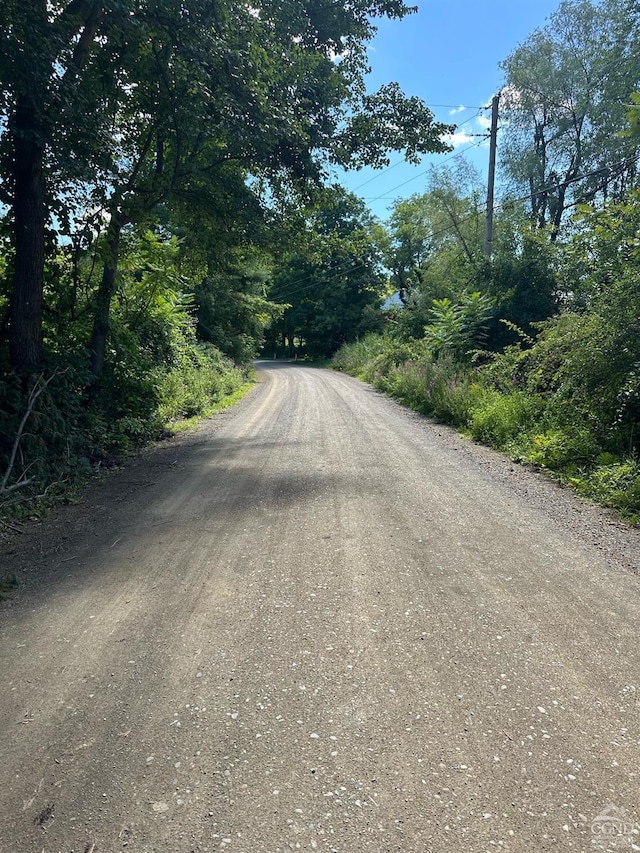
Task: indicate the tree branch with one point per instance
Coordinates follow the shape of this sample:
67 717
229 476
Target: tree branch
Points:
39 386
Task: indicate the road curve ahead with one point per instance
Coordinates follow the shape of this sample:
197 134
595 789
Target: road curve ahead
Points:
319 624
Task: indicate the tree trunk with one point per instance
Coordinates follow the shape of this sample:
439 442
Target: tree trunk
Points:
104 296
30 216
31 134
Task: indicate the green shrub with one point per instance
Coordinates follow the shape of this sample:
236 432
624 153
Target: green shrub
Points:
562 449
458 327
455 397
535 400
441 389
407 382
616 485
75 425
52 453
202 377
355 357
500 420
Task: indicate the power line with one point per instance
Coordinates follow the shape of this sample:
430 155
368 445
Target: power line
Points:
627 161
528 196
452 228
378 175
378 198
400 162
459 107
426 171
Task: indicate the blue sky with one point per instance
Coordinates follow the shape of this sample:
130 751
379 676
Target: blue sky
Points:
448 54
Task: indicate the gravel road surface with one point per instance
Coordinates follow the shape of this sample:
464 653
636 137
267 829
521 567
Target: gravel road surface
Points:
321 623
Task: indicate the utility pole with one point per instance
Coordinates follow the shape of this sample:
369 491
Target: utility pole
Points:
493 145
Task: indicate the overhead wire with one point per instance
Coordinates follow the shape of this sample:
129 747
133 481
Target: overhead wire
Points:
517 200
479 111
451 228
351 268
398 186
426 171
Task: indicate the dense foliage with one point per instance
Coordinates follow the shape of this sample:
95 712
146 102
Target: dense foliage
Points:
565 396
331 278
565 100
148 149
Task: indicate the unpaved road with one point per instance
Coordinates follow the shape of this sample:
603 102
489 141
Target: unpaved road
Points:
321 623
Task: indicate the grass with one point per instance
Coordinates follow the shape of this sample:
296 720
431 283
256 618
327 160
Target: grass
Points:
227 402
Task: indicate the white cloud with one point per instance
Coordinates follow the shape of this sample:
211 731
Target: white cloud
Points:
471 133
459 109
460 137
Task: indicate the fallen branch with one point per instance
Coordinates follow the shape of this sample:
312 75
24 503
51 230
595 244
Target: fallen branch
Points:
5 490
9 526
39 386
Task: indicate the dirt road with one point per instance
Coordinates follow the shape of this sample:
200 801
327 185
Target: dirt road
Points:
321 623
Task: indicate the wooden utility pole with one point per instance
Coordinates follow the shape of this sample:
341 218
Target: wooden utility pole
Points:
493 145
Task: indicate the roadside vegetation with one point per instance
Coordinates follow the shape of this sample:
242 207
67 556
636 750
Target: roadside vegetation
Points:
535 351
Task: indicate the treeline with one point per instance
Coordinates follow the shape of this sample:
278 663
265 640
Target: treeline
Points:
535 351
156 156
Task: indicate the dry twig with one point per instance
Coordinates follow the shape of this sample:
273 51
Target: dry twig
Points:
39 386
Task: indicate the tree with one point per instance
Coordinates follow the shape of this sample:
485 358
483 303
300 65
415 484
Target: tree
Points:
586 359
44 48
438 262
177 92
522 278
233 308
436 238
436 242
333 280
564 106
410 245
